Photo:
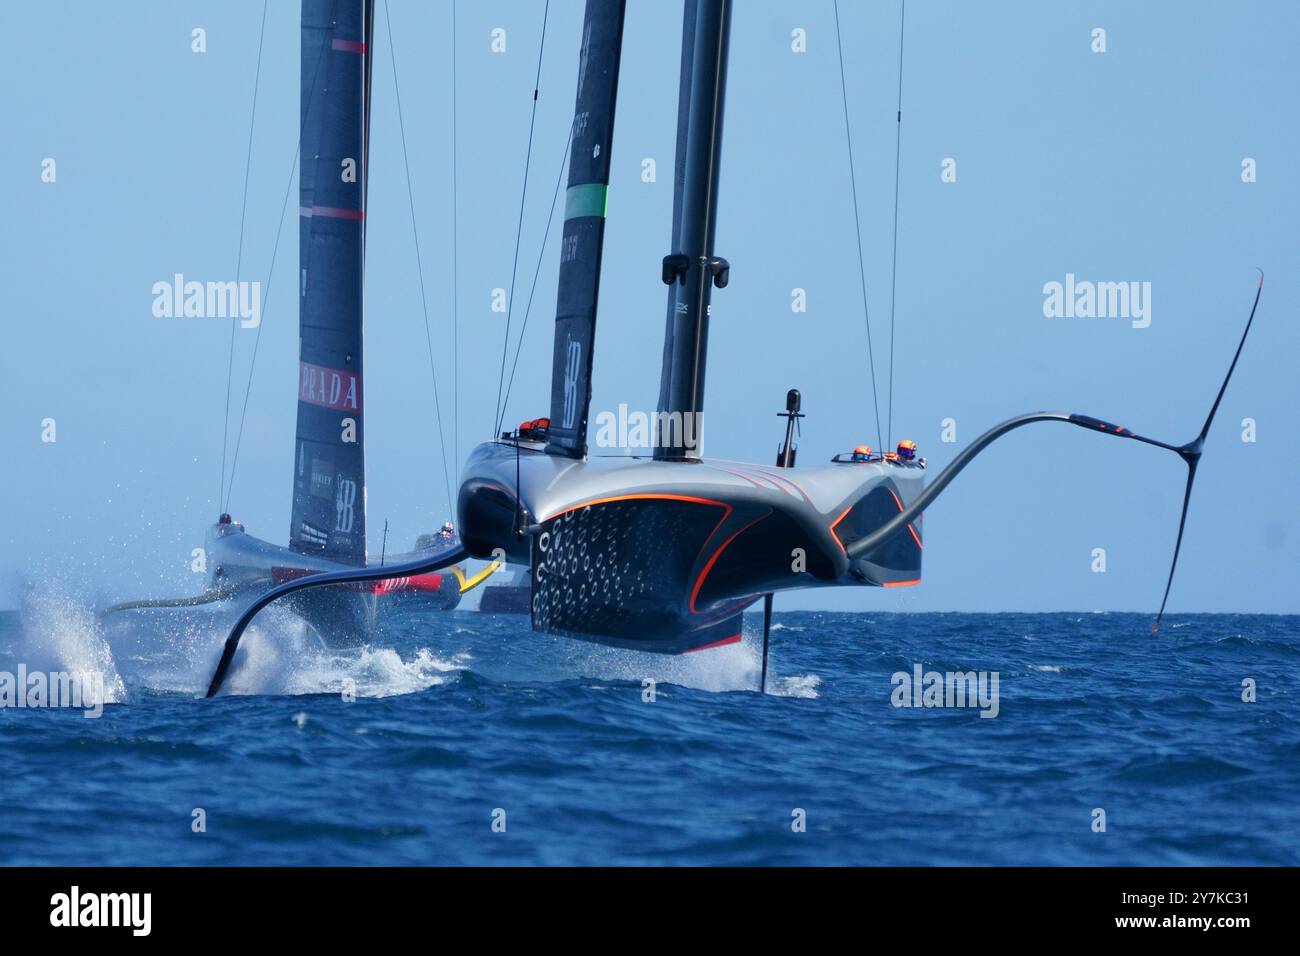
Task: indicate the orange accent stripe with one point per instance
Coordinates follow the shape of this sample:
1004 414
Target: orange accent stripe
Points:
605 501
900 584
699 583
909 527
726 640
835 523
778 479
737 474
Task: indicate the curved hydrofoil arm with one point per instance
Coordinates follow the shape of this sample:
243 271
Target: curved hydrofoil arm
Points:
423 565
210 596
468 584
1189 452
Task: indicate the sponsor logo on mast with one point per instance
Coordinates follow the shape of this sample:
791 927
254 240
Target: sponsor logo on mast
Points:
344 501
584 59
572 368
329 387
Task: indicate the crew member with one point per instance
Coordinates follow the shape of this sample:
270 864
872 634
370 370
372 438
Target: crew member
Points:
862 453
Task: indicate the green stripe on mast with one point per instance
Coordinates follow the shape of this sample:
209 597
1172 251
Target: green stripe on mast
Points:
586 199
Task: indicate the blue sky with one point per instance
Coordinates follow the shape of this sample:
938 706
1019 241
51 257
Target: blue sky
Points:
1115 166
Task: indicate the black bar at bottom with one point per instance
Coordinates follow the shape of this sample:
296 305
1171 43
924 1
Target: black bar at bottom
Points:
331 906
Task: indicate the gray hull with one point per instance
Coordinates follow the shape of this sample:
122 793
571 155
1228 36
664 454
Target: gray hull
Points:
664 556
343 615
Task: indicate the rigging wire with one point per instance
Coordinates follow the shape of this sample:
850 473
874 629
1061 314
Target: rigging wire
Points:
419 262
455 271
228 490
893 280
257 339
541 253
519 230
857 223
239 261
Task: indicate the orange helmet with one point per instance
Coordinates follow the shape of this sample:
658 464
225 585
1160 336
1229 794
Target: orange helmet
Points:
907 449
862 453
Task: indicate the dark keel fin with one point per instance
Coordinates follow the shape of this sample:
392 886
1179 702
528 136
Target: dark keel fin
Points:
767 636
1189 452
424 565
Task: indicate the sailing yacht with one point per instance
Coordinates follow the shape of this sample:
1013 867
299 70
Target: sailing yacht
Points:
663 553
327 529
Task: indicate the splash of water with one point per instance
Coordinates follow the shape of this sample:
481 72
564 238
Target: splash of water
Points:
59 633
734 667
273 661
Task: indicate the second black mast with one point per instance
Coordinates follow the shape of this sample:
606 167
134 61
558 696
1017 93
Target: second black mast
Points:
692 269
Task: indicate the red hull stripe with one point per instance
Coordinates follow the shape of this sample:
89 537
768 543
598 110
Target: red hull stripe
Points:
419 583
348 46
735 638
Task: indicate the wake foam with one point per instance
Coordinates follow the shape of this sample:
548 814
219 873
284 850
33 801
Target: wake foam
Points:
735 667
279 655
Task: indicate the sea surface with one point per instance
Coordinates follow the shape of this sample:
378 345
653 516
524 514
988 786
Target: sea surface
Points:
472 740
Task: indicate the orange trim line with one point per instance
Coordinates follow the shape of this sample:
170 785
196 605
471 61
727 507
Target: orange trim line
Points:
706 647
699 583
785 480
836 522
779 480
909 527
736 474
664 497
900 584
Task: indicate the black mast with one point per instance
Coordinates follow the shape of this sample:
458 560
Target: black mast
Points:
329 516
692 269
679 176
584 226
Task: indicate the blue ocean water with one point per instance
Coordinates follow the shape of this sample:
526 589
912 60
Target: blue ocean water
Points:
460 716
